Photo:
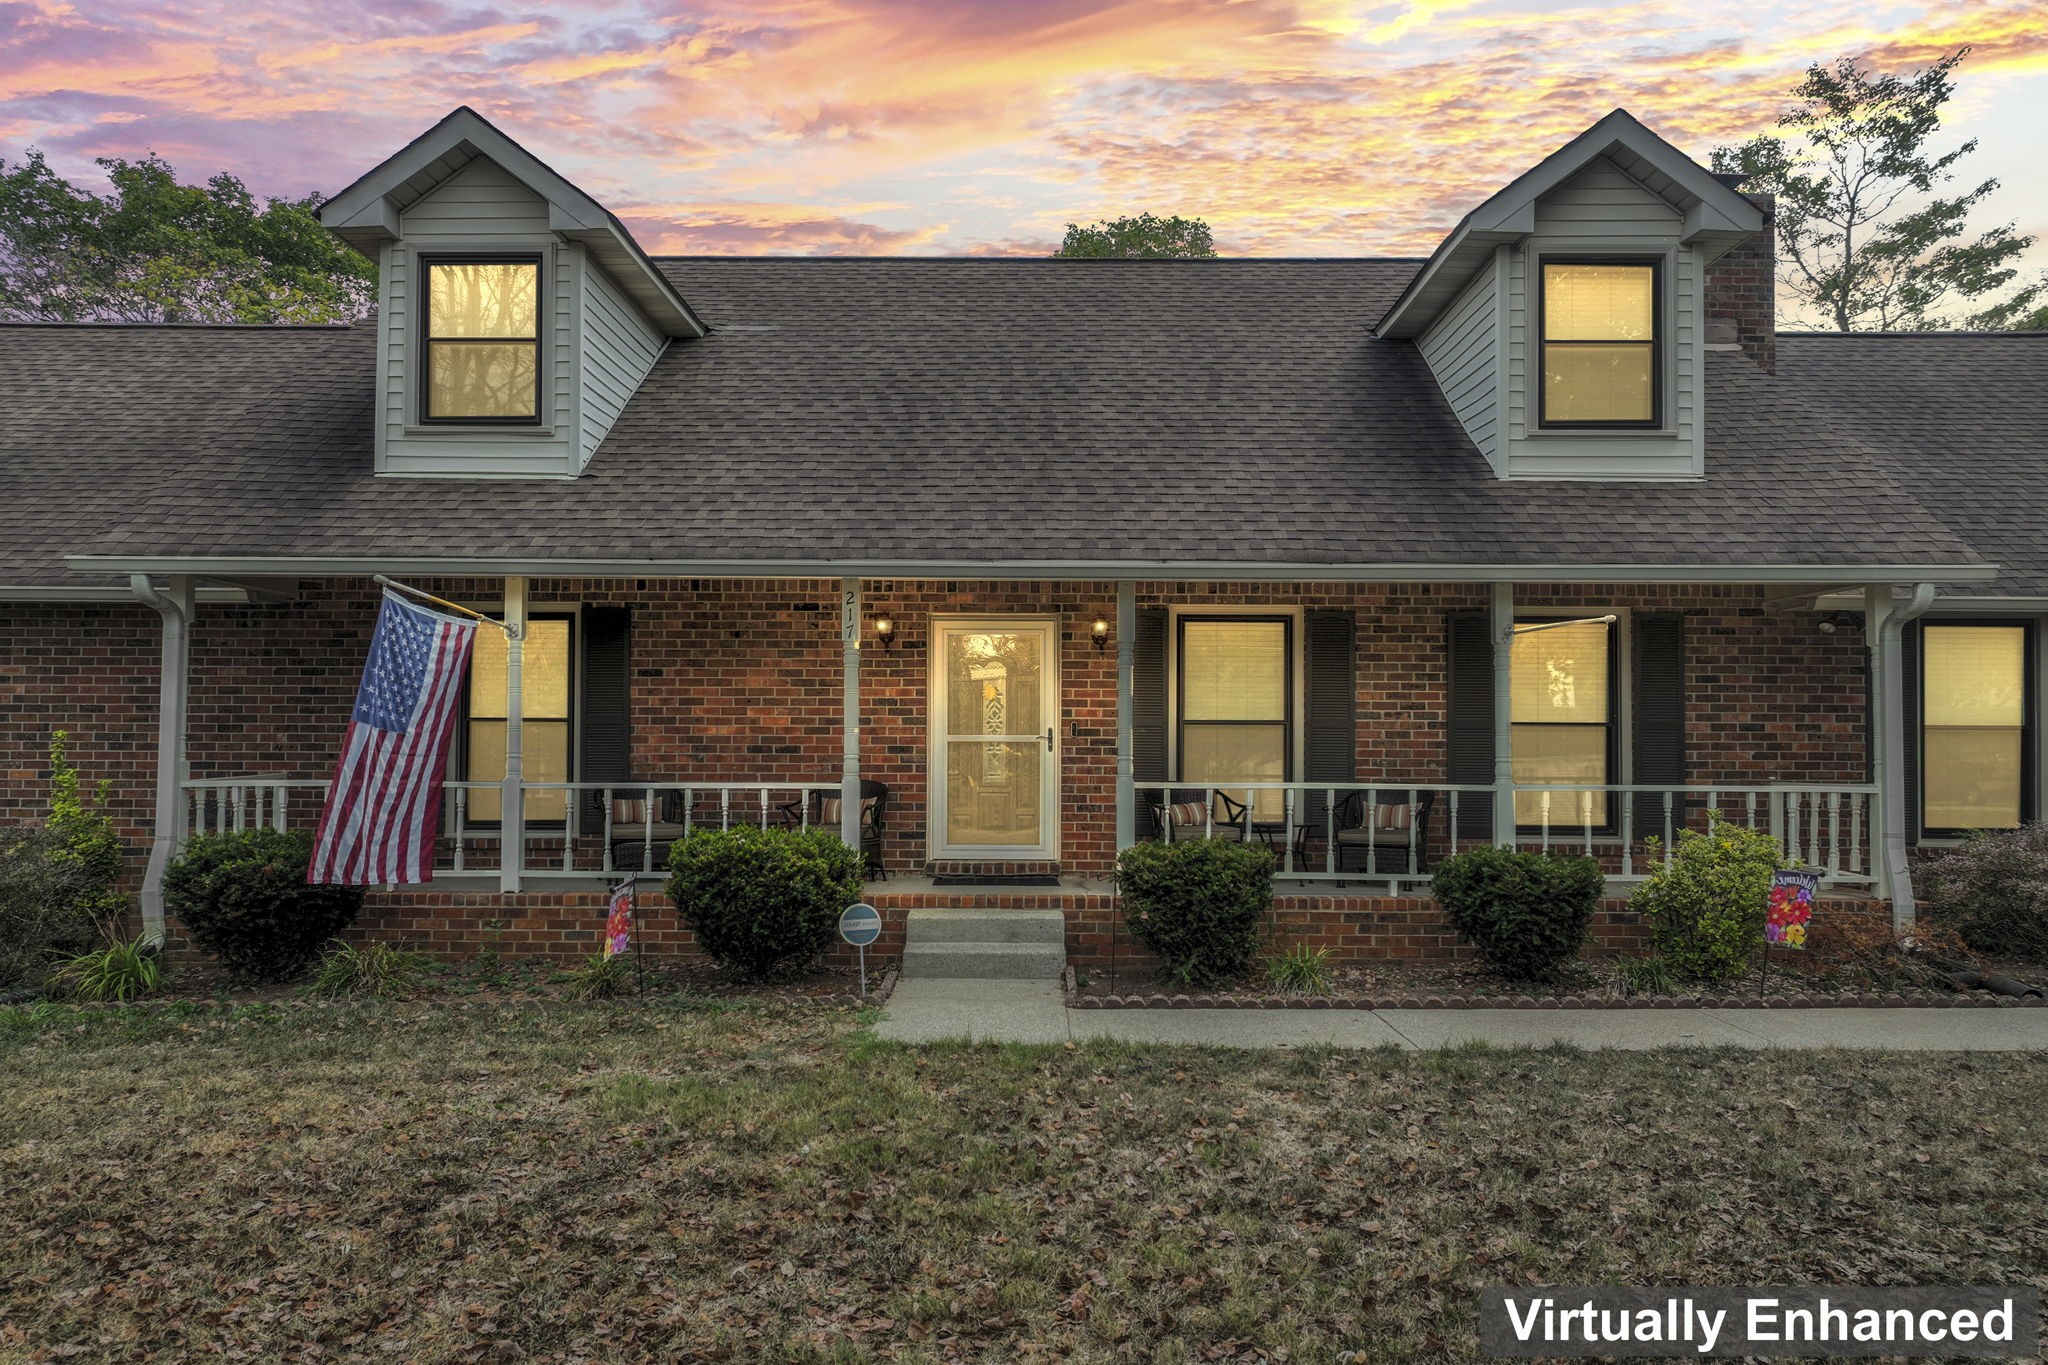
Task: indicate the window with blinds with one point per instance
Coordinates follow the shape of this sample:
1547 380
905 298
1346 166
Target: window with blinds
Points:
1236 704
482 342
1562 721
1974 731
545 684
1600 342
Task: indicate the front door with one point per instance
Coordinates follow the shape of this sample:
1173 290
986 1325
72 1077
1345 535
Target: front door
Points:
994 717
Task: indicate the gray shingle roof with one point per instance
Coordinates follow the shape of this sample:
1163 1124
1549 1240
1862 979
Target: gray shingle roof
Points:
927 410
1962 419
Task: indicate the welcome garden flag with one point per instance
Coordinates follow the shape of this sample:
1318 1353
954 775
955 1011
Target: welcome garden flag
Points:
383 808
1791 908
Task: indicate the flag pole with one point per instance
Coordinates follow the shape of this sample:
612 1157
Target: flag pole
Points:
426 596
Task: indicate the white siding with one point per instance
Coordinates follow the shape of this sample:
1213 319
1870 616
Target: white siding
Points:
479 208
1601 210
1462 348
619 348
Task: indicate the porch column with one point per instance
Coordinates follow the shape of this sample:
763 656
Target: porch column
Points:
1126 771
1503 623
1884 624
849 709
174 605
511 799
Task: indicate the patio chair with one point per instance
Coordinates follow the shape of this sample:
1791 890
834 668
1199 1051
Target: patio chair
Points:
1383 840
824 813
1190 816
638 846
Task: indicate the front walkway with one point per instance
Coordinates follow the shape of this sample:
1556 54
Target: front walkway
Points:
1035 1012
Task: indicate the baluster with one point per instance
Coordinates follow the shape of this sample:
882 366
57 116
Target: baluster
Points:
1372 832
1454 820
606 797
1628 835
1834 832
1586 818
1414 829
1330 831
647 831
1858 803
1667 829
1813 828
461 822
1749 809
1543 803
1287 831
689 809
235 795
572 825
764 808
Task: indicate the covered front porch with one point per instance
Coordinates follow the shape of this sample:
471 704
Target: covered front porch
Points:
1002 729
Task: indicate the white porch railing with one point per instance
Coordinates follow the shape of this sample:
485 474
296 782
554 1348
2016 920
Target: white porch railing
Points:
586 840
1629 828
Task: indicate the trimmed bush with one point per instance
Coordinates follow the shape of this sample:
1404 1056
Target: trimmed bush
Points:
1200 905
244 899
1706 907
763 901
1527 913
1994 892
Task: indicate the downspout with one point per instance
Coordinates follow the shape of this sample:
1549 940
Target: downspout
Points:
1890 670
175 607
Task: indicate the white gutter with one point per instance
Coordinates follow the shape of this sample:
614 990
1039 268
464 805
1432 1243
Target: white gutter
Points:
175 606
109 592
1108 571
1888 642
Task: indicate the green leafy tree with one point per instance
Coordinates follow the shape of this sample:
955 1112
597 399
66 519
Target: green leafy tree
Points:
155 250
1145 237
1870 235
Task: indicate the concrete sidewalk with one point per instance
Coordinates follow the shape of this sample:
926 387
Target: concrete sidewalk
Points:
931 1011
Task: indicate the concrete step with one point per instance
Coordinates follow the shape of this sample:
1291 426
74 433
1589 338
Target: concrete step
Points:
962 925
984 961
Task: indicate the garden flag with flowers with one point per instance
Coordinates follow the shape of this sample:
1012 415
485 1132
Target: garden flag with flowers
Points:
383 808
618 925
1791 908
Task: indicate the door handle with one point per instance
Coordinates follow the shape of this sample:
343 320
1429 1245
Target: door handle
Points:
1048 739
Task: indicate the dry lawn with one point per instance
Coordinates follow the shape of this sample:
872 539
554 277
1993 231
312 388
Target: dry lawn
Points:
529 1180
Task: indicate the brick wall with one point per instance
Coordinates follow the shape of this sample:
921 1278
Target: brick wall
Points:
1742 288
741 680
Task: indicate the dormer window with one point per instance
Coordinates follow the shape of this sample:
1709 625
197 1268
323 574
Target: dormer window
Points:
481 341
1602 342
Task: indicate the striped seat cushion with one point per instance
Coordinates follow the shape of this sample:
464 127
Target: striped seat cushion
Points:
1393 815
629 810
829 808
1188 814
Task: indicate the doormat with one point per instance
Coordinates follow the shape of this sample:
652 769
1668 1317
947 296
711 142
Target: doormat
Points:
996 879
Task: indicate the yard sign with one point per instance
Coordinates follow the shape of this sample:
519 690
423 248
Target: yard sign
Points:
1791 907
618 925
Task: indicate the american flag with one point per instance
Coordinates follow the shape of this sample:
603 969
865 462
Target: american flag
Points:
384 805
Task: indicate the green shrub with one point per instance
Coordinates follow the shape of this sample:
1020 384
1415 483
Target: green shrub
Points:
1706 907
1994 892
375 969
59 881
243 897
117 972
1301 970
600 978
1526 913
1198 904
763 900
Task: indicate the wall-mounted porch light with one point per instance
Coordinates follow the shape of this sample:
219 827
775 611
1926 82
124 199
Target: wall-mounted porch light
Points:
885 630
1099 632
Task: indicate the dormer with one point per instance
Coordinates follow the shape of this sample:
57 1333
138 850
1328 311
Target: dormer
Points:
516 315
1566 318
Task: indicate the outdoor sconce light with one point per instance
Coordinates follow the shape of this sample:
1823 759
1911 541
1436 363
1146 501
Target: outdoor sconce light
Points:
1101 633
885 630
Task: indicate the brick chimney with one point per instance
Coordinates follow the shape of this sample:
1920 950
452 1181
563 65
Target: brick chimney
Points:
1742 294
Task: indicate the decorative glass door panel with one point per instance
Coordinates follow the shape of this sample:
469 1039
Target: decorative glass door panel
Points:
994 722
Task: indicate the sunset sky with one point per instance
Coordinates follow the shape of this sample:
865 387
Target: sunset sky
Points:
1296 127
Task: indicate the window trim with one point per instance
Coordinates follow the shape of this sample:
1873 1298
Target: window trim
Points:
1618 705
423 409
1290 727
1655 422
460 755
1918 720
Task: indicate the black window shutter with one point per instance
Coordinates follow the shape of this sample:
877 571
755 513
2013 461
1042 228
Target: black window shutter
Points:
1659 720
602 706
1331 731
1469 722
1909 704
1148 709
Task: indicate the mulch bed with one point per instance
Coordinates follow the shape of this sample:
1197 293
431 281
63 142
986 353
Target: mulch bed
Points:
1589 985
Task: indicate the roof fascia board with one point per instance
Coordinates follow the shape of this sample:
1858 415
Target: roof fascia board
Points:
570 210
1063 570
82 592
1512 209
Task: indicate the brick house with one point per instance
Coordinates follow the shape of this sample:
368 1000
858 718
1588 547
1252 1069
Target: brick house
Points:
1550 538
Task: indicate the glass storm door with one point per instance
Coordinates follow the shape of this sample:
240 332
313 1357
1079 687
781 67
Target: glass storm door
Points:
994 711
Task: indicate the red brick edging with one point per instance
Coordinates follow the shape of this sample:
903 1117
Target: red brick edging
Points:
1157 1000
